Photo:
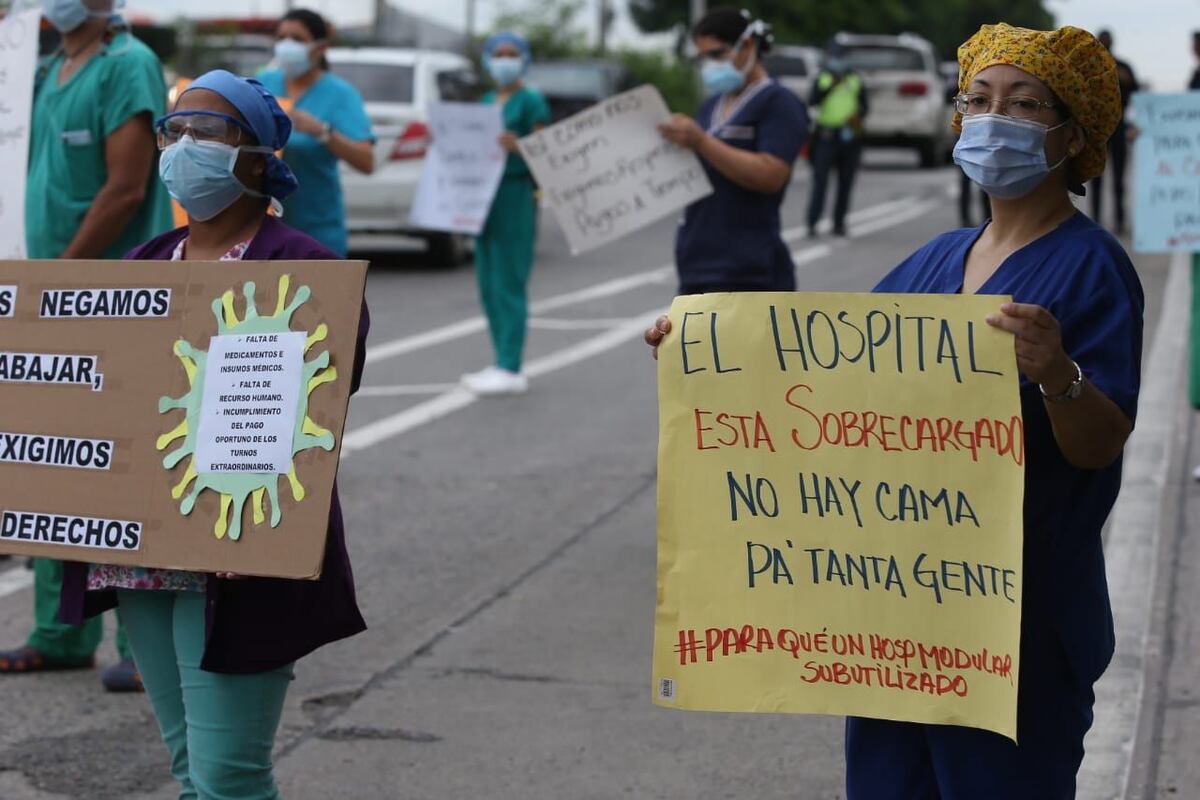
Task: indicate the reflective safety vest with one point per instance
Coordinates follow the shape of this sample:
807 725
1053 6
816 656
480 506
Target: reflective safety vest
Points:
841 104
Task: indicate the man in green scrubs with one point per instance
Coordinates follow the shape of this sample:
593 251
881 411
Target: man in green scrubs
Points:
92 192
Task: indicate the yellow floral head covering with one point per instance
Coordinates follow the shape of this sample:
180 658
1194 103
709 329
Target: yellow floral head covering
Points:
1072 62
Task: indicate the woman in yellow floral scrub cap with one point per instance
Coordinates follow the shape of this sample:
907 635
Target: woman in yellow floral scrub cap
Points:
1035 110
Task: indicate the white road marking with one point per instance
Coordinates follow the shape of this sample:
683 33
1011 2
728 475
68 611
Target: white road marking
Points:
573 324
806 255
458 398
663 274
401 390
14 580
1131 550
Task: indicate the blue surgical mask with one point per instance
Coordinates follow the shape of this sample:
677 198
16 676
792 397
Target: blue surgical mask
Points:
200 176
292 57
67 15
1005 156
505 70
721 77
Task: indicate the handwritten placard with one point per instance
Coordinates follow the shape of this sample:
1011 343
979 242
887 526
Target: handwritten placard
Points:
1166 159
607 171
839 508
462 169
18 62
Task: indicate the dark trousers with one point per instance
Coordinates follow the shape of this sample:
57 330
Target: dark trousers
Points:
830 151
965 189
1118 154
888 760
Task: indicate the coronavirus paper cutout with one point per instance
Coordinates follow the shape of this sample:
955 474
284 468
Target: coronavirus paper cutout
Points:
236 488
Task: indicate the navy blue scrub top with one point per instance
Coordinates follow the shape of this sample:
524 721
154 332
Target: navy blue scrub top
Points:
730 241
1081 275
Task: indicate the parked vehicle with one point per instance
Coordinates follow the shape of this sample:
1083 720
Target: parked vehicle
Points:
905 86
570 86
398 85
795 67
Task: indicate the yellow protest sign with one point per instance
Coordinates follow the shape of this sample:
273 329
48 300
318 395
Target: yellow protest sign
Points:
839 508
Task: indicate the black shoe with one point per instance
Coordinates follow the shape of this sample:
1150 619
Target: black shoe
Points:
840 230
812 231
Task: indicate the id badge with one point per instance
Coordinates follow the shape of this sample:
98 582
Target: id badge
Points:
79 138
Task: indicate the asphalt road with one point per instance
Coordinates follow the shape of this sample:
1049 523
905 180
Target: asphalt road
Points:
504 555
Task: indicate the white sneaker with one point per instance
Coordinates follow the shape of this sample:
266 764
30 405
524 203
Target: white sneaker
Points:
494 381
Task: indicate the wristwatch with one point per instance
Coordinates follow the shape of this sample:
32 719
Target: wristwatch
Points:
1073 390
326 133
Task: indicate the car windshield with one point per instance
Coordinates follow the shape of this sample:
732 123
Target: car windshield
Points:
568 80
786 66
378 83
871 58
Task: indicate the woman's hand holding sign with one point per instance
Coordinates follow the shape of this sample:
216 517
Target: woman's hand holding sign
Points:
1040 354
654 336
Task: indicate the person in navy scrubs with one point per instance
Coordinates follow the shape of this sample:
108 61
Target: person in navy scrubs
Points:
1036 110
748 133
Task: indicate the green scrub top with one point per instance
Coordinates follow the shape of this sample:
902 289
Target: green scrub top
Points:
66 152
524 110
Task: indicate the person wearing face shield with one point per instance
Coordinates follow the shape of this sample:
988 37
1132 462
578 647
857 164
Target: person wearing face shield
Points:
504 249
840 99
91 193
217 652
1036 110
330 123
748 133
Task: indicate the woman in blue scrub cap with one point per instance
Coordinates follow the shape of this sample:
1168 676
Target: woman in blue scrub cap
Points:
748 133
215 651
504 250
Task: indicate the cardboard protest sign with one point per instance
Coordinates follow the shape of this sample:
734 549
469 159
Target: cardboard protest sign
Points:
1166 161
462 168
607 171
18 61
185 415
839 508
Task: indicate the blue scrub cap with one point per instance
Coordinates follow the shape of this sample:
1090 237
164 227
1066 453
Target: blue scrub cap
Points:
508 37
263 114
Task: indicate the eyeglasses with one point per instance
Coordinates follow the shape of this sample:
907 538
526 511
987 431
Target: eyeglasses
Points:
203 126
715 54
1015 106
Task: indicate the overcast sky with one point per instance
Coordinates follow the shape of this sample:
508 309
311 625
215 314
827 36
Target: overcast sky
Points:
1153 35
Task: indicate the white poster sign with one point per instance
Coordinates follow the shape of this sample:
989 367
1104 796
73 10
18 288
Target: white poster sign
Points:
462 168
18 63
251 403
607 171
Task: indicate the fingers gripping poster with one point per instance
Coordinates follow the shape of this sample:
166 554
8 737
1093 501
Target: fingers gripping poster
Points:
185 416
839 508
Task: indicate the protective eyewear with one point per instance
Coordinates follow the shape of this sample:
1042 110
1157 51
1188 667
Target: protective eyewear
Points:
203 126
1015 106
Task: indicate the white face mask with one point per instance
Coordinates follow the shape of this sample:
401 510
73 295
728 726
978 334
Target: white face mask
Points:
67 15
1005 156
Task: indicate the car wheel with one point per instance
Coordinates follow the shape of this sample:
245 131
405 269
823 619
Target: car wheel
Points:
448 250
929 152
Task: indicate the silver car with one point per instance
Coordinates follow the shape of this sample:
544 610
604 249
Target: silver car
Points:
398 85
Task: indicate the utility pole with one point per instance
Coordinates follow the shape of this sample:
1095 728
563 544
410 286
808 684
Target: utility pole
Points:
605 22
470 27
697 11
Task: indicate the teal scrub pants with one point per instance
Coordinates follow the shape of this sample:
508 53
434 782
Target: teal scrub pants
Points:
503 261
56 641
219 729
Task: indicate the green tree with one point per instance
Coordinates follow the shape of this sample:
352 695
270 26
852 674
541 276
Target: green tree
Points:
552 29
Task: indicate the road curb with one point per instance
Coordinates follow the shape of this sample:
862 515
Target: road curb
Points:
1152 469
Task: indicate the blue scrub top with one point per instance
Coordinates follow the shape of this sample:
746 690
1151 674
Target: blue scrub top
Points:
1081 275
317 207
730 241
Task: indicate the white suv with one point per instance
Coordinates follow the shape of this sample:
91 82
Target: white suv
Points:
906 90
398 85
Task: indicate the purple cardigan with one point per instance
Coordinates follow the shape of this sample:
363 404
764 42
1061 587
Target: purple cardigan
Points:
258 624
